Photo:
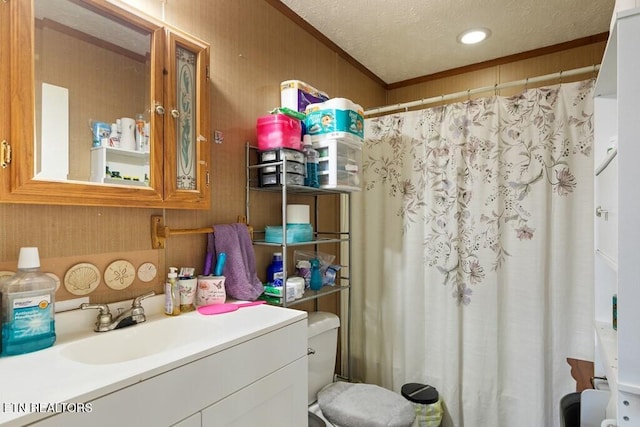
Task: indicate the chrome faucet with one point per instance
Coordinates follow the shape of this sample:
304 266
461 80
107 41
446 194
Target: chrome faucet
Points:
132 316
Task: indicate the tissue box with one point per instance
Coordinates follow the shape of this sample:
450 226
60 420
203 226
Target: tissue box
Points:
334 119
296 95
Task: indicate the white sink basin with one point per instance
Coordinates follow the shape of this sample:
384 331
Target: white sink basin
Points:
134 342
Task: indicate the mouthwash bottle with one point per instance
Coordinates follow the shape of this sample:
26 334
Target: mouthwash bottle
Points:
27 307
311 159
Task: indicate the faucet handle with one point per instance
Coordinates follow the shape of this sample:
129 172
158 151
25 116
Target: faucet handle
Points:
104 315
104 308
137 302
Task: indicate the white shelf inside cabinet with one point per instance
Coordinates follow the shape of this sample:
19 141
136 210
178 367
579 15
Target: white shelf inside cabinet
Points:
134 164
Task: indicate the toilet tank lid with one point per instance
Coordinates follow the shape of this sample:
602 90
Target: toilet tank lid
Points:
320 321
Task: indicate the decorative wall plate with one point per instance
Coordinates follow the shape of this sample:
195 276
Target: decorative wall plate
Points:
82 278
119 274
147 271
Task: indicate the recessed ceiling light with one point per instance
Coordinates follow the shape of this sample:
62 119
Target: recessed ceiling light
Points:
473 36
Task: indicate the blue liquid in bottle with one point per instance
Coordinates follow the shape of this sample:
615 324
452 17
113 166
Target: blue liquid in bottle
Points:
311 157
316 277
28 322
275 271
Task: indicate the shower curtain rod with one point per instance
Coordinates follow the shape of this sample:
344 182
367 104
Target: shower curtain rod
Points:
442 98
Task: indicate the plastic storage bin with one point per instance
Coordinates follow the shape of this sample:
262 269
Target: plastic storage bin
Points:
296 95
296 233
278 131
292 167
282 154
334 118
268 179
340 163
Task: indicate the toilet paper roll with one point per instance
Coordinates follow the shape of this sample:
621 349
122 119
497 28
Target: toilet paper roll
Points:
298 214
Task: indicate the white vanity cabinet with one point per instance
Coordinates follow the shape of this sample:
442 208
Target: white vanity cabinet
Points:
617 209
258 381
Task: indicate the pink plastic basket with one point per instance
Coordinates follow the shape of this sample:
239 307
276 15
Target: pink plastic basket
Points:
278 131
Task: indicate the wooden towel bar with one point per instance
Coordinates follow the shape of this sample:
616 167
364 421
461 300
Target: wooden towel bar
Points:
160 232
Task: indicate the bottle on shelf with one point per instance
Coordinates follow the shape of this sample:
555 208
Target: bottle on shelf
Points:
316 277
275 271
28 322
114 136
139 133
311 159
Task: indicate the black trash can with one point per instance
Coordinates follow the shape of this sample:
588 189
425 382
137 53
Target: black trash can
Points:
570 410
427 403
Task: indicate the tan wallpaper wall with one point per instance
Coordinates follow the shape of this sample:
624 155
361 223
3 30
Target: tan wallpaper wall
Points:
253 48
532 67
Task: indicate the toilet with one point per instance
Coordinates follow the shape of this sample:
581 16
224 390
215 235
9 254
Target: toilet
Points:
344 404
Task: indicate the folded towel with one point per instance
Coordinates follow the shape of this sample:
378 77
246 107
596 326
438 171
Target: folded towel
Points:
241 281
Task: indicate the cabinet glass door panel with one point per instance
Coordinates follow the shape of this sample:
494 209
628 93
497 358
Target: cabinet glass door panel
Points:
186 102
186 177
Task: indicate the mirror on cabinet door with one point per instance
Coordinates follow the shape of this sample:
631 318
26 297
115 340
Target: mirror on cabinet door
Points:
90 82
92 102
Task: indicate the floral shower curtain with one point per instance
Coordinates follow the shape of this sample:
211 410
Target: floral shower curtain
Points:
473 249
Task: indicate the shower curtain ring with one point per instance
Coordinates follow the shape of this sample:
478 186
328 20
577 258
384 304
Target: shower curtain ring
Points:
560 77
495 89
468 94
526 84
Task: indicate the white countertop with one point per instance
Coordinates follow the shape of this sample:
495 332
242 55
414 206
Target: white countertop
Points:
47 377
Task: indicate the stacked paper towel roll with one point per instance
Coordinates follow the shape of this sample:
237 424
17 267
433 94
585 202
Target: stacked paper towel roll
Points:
297 214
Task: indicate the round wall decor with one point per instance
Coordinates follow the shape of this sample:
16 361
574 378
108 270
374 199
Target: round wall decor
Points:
119 274
82 278
147 271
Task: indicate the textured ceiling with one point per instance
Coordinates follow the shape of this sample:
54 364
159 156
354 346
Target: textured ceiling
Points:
71 14
399 40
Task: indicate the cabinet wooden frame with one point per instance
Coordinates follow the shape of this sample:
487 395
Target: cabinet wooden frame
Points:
17 117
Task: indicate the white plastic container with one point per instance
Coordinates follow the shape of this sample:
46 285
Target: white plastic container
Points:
28 297
334 118
340 163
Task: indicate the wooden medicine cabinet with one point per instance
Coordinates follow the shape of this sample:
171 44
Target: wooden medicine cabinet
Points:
82 75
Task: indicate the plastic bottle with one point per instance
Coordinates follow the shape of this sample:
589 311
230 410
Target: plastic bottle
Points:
275 271
316 277
311 161
114 136
28 297
171 293
139 133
